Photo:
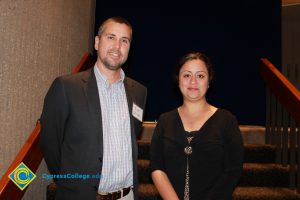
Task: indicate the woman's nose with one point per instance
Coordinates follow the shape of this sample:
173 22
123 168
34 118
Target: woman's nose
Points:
193 79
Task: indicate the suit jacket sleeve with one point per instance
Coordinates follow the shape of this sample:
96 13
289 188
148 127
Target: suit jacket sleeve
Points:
53 118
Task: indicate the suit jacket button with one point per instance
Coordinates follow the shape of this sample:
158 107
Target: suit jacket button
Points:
95 188
100 158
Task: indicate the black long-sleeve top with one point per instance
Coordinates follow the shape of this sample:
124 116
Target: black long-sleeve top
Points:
216 162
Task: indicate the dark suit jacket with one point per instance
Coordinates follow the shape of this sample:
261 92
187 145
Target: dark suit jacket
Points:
71 132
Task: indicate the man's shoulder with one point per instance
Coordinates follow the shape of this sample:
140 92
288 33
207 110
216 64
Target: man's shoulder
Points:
71 80
132 82
75 77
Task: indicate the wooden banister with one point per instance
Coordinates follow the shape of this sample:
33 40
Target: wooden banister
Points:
282 119
30 154
284 90
87 61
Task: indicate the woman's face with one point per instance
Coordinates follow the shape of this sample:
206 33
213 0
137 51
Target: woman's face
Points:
193 80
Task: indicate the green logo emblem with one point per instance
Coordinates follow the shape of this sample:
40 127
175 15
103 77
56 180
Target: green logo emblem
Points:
22 176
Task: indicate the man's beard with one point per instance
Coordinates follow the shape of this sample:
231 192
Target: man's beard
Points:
111 66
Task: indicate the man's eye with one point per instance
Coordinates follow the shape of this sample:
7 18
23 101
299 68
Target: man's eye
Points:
110 37
125 41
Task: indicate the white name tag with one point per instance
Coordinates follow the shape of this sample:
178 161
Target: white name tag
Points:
137 112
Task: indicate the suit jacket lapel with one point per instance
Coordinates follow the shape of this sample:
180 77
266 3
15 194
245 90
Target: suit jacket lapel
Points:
129 89
91 92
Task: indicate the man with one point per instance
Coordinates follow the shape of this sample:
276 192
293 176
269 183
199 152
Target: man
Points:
90 121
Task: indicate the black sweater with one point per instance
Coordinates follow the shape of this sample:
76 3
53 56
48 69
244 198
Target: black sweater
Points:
216 162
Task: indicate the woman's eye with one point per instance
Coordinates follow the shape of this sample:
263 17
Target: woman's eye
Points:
200 76
186 75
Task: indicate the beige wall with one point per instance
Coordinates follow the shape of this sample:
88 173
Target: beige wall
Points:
39 40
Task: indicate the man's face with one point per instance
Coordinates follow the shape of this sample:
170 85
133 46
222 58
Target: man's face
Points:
113 45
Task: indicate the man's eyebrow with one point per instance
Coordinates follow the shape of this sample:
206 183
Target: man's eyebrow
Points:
110 34
127 38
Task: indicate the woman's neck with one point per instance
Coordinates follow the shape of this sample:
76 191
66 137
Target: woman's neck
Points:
195 107
194 115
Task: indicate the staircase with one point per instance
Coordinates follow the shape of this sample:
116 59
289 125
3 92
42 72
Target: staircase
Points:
262 178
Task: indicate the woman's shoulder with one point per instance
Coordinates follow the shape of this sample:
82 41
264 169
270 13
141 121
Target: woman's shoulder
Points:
169 115
225 114
223 111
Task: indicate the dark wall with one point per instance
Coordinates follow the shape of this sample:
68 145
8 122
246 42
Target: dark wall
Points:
234 34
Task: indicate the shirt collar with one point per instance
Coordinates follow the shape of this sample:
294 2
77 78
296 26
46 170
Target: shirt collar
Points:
103 79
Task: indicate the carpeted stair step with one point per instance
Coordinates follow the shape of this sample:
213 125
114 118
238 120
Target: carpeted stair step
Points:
264 175
264 193
259 153
254 174
254 153
143 149
149 192
253 134
144 171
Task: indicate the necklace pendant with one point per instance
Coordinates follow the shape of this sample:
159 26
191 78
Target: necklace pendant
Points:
188 150
189 139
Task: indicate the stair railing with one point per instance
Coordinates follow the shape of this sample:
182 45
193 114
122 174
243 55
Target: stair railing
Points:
282 119
30 154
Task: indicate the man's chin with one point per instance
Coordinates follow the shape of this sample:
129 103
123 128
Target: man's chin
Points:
115 64
113 67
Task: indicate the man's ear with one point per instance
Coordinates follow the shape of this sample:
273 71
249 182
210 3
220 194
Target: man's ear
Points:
97 40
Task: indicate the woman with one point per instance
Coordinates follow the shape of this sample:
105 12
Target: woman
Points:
196 149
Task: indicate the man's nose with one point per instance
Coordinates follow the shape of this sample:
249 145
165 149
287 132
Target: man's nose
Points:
117 44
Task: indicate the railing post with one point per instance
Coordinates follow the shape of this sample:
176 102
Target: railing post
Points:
268 117
292 153
285 138
298 155
279 131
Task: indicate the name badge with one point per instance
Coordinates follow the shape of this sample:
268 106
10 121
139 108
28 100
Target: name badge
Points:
137 112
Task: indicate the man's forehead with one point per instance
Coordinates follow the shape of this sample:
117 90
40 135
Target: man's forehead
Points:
116 28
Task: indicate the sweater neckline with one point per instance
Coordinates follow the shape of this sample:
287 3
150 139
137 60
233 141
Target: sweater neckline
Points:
195 132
